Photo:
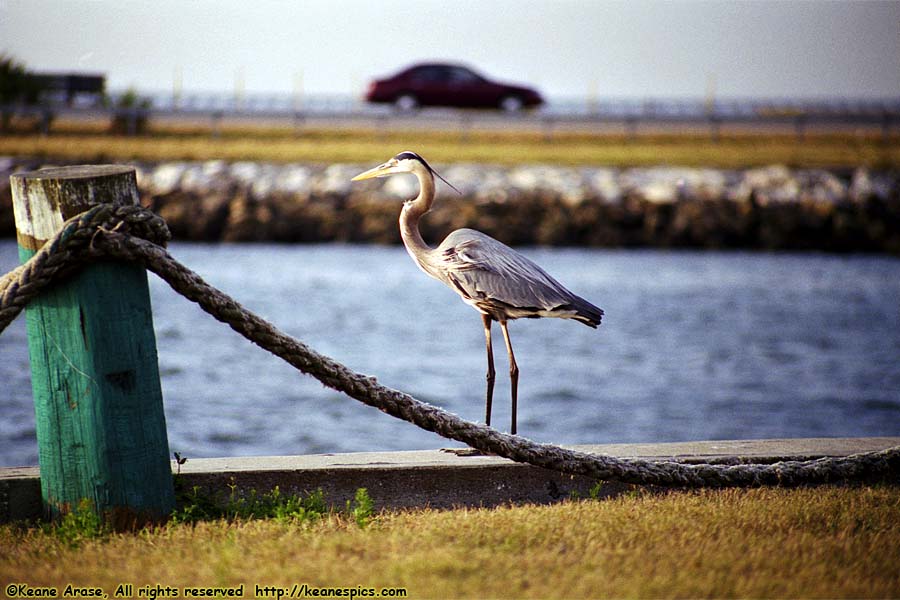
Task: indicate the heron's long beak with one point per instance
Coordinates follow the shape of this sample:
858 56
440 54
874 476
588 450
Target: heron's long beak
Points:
382 170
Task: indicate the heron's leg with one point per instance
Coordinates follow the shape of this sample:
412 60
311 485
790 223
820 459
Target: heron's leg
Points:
513 376
490 372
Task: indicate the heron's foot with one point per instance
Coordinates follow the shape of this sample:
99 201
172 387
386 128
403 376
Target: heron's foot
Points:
466 452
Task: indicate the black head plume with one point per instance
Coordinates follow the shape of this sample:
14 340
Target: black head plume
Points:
408 155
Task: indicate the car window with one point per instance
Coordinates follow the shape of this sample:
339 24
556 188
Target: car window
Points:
461 75
430 73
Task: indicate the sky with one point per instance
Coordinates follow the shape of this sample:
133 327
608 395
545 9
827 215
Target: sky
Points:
585 49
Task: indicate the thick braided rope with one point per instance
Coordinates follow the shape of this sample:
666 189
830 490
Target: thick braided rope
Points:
117 244
65 252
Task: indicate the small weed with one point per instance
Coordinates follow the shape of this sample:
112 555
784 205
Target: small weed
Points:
179 460
637 493
362 509
293 508
195 506
595 491
79 525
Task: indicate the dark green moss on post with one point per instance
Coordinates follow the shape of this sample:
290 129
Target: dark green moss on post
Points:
95 378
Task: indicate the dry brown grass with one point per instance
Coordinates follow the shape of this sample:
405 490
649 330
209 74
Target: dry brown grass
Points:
88 142
822 542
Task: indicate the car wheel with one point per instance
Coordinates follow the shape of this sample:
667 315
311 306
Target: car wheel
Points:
511 104
406 102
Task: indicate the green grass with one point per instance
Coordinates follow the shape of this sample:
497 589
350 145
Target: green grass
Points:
90 143
79 525
819 542
196 506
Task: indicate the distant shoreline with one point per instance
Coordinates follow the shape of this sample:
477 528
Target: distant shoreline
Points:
768 208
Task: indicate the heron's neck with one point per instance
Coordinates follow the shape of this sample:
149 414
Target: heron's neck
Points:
409 222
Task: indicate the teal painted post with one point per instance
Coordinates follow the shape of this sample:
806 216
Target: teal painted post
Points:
95 378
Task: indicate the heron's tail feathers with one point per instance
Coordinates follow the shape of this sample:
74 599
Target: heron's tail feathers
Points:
585 312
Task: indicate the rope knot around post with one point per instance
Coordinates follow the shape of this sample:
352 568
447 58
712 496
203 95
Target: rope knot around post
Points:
135 235
131 220
72 247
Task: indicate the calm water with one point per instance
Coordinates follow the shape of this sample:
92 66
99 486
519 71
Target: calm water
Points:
694 346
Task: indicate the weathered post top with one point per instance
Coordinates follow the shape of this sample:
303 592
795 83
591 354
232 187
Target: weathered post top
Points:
44 199
95 379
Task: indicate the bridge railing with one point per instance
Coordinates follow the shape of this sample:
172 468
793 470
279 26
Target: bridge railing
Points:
797 115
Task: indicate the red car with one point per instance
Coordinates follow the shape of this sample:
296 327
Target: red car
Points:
440 84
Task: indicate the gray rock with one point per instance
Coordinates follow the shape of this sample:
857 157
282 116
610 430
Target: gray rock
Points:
658 185
245 172
822 187
166 178
774 184
603 184
294 179
335 180
206 178
464 177
567 183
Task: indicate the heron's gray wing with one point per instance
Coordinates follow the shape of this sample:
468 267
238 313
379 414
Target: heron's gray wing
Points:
482 268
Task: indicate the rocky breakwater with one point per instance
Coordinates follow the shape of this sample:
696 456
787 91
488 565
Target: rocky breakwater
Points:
772 207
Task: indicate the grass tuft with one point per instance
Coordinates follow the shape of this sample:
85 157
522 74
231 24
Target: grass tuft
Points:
362 509
196 506
78 526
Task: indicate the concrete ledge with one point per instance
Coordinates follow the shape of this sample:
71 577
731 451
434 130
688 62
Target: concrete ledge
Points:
434 478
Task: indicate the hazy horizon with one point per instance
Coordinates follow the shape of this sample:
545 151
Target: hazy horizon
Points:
646 48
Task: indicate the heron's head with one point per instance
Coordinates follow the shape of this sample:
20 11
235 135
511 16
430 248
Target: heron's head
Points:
405 162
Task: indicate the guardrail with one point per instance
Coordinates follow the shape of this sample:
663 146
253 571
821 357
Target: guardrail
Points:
631 114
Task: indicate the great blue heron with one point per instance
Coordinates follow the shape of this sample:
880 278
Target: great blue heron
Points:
492 277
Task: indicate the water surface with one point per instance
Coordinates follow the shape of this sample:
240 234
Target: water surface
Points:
695 345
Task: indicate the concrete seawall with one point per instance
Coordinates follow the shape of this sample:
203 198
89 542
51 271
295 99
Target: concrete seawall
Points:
438 479
771 207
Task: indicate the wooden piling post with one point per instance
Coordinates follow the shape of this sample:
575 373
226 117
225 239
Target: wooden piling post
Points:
95 378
